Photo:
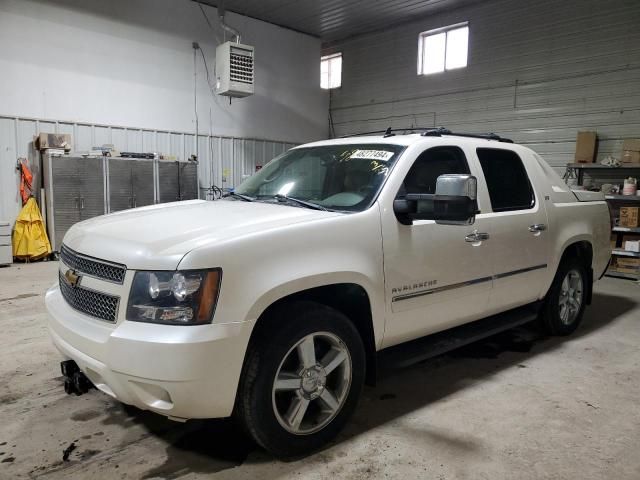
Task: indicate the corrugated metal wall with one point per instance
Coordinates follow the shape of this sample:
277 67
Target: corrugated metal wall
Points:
538 72
223 160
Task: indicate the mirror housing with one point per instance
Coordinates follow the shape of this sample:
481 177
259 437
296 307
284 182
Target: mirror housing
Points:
454 203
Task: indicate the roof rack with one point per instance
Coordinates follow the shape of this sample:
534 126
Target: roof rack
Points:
437 132
433 132
389 131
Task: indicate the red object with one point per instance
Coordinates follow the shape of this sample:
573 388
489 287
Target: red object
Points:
26 178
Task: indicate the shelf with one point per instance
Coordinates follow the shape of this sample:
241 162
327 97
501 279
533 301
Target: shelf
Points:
624 253
626 229
631 276
597 166
623 198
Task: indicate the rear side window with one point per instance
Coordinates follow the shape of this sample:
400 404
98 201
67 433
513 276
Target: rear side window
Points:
507 180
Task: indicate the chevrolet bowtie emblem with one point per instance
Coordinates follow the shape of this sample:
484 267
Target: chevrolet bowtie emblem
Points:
72 278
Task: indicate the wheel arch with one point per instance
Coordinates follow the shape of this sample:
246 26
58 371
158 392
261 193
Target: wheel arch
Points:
349 298
581 249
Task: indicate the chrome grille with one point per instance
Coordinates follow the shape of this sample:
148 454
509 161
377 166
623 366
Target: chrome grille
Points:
94 267
95 304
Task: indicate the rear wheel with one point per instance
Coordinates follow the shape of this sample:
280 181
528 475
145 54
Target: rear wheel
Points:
565 301
302 379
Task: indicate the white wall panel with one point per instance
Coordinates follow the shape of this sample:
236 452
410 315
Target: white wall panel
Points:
130 63
9 178
223 160
27 129
102 136
65 128
84 138
118 137
134 141
538 72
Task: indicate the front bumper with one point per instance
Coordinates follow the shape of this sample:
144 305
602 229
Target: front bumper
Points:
178 371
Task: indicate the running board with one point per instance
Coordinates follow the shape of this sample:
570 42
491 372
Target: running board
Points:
410 353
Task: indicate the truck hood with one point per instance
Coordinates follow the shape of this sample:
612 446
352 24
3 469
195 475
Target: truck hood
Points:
158 236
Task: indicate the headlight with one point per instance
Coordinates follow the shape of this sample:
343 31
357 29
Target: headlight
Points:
186 297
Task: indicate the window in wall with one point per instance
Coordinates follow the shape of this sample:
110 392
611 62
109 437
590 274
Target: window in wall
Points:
507 180
331 71
443 49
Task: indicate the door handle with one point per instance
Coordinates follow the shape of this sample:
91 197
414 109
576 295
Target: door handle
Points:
135 201
81 203
538 227
476 237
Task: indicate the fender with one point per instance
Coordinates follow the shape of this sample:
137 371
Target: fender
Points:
308 282
590 268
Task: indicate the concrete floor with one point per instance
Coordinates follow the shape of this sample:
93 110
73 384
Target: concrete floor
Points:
518 405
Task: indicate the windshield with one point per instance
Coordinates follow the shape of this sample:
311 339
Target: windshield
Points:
337 177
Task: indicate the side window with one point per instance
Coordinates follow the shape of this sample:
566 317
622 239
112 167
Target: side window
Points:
430 165
507 180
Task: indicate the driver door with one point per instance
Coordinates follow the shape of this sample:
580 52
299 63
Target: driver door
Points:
435 277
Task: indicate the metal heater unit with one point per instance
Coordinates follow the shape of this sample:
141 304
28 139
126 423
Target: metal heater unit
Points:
234 69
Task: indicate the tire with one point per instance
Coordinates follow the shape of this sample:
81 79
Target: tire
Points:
566 300
266 409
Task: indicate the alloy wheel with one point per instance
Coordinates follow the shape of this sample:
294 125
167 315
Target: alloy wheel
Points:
571 296
312 383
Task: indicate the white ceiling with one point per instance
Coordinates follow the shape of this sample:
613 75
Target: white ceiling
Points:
333 20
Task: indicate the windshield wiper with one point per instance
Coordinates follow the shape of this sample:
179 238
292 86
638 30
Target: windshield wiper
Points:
304 203
246 198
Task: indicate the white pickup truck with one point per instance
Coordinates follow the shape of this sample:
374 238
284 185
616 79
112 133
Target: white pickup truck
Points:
272 304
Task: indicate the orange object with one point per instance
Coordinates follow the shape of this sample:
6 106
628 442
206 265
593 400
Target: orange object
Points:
26 179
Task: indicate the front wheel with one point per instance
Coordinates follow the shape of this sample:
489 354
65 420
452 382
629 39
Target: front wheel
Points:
302 379
565 302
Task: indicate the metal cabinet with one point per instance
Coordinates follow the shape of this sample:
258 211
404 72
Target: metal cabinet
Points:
6 252
131 183
75 191
177 181
79 188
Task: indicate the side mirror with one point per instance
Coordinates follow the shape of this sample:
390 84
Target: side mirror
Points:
454 203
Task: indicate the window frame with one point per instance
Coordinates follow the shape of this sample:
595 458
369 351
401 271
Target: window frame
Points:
459 150
401 150
328 58
532 191
421 47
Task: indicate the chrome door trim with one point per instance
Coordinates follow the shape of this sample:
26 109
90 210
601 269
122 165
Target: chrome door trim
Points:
467 283
522 270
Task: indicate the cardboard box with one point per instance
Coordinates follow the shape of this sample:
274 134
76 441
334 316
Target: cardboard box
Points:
630 156
632 246
53 140
626 265
629 217
631 151
628 262
586 147
627 270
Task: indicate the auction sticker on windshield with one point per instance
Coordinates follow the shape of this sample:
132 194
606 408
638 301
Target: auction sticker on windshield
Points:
382 155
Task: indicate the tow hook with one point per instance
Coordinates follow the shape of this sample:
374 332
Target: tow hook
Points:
74 380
